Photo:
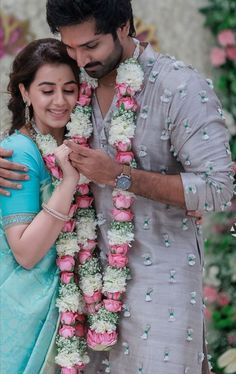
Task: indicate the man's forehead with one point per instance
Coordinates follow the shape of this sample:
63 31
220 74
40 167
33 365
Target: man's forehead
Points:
80 34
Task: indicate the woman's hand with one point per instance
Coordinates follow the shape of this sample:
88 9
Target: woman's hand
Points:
7 172
62 157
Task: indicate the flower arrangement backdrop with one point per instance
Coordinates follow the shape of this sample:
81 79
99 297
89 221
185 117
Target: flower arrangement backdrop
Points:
166 24
220 278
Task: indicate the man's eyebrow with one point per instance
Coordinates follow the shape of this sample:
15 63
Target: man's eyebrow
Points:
84 44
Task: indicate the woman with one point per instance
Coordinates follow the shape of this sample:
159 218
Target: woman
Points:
43 92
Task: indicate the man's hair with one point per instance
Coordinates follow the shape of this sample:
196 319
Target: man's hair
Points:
109 15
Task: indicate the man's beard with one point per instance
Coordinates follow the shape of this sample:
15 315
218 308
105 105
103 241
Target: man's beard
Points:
109 65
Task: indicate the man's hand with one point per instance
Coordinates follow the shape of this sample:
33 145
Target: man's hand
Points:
6 172
95 164
198 215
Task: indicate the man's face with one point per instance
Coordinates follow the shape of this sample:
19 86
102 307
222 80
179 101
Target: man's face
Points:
98 54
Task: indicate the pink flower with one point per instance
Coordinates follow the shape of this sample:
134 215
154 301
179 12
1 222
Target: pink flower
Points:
226 37
83 189
85 89
56 172
121 200
84 100
65 263
124 157
90 245
128 103
93 308
72 210
96 340
50 161
123 147
122 215
68 318
231 339
80 317
118 261
79 139
80 367
68 370
112 305
84 255
210 293
69 226
66 277
124 90
113 295
231 53
121 249
80 330
84 201
223 299
94 298
218 56
67 331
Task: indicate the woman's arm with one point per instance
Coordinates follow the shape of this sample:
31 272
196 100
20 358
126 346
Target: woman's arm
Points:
30 243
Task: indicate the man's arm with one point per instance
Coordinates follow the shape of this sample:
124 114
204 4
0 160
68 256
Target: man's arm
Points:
8 174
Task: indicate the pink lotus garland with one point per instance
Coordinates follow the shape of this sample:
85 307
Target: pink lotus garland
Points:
103 296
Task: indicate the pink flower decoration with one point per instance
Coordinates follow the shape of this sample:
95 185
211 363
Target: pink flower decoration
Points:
101 340
210 293
218 56
90 245
79 140
207 314
121 200
122 215
226 37
112 305
67 331
231 53
94 298
56 172
123 89
80 317
50 161
84 100
69 226
84 255
72 210
66 277
114 295
80 367
121 249
128 103
83 189
84 201
123 147
124 157
93 308
65 263
223 299
80 330
85 89
68 370
68 318
118 261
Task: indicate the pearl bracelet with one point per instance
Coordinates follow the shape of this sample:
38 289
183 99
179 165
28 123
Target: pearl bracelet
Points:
55 214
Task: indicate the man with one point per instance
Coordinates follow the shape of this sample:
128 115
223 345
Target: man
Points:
183 163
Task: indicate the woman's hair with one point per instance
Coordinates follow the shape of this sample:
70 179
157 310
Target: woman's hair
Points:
24 68
109 15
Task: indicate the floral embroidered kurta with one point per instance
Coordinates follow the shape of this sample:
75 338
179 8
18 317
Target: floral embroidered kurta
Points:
180 130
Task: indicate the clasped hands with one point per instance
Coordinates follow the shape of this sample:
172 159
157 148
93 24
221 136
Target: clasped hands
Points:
98 167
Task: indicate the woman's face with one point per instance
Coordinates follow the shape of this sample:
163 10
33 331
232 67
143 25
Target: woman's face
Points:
53 95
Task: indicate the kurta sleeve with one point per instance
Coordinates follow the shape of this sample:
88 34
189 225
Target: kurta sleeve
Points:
22 205
200 141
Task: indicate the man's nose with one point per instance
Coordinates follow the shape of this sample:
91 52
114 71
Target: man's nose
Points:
82 59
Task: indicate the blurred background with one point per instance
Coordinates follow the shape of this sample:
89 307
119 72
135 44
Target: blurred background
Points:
201 33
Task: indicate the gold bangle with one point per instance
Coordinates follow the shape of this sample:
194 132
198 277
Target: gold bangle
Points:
55 214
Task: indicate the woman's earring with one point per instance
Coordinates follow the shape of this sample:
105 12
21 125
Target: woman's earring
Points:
27 112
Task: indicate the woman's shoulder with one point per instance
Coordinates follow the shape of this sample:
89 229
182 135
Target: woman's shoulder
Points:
18 141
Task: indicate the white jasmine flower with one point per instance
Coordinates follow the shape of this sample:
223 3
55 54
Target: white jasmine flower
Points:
131 73
90 284
46 143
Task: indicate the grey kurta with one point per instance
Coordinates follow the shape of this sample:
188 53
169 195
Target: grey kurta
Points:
180 130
